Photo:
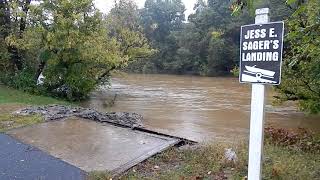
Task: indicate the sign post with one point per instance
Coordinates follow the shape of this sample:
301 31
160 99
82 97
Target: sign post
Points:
260 63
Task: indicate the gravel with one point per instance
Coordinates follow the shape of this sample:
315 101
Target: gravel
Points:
57 112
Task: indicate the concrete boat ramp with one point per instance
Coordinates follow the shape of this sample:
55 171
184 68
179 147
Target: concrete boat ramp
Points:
81 145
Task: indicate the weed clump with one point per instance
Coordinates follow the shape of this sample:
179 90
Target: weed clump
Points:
300 139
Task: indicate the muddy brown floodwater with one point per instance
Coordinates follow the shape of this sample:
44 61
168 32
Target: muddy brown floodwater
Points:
198 108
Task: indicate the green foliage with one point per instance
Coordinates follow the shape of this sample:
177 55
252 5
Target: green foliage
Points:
123 24
235 71
69 42
221 57
4 58
301 70
205 45
23 80
75 50
159 20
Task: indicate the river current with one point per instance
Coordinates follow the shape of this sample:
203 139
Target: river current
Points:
197 108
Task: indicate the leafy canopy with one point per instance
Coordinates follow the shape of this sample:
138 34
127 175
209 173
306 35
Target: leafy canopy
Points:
69 42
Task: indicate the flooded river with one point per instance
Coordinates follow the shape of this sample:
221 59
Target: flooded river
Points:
197 108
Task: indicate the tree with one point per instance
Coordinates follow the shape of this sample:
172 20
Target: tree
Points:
213 38
13 15
123 24
301 70
160 18
221 56
70 43
75 53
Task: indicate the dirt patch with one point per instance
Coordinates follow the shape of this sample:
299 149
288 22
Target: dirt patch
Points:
10 121
9 108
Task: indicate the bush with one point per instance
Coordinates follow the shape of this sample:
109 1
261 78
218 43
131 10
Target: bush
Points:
301 139
73 83
235 71
149 68
23 80
301 69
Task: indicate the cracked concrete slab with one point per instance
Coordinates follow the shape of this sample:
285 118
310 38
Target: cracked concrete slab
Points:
93 146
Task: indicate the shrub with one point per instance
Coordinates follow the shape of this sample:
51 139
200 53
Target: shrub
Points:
298 140
23 80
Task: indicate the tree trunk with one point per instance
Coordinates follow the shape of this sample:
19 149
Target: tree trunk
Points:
105 74
16 56
40 69
25 9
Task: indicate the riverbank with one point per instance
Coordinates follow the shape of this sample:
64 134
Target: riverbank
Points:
12 100
209 162
12 96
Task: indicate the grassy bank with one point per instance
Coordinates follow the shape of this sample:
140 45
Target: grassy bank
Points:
12 100
13 96
208 162
9 121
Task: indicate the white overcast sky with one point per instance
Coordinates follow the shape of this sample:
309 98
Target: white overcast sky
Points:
106 5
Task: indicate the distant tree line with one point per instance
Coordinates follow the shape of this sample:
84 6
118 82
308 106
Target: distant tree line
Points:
206 44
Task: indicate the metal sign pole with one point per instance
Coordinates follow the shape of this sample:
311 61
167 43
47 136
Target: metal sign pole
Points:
257 116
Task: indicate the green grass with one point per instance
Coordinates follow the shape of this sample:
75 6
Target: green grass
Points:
288 164
99 175
9 95
207 162
12 100
9 121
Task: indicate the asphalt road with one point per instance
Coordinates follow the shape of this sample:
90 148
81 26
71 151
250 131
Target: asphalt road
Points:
19 161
